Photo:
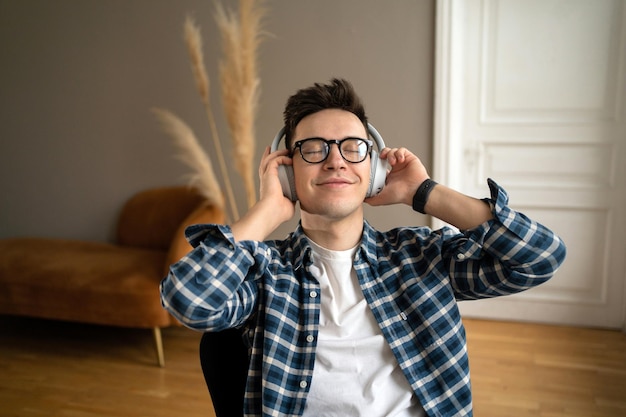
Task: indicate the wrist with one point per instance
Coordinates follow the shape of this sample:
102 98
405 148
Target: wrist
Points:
421 195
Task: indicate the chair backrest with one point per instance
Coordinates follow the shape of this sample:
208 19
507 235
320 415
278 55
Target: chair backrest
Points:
150 218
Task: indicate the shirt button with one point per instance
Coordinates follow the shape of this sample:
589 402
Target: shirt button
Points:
460 256
313 294
310 338
303 384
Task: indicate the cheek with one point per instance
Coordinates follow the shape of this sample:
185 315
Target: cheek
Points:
301 176
364 173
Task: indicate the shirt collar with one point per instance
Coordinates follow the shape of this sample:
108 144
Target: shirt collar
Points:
301 248
369 247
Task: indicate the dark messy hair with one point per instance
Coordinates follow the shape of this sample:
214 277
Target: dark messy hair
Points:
338 94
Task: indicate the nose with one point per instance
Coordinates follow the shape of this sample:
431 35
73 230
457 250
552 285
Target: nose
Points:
334 158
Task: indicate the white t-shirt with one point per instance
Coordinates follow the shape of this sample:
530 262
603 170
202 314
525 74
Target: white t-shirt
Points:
355 372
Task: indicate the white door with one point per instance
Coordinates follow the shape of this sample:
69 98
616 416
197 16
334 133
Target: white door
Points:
532 94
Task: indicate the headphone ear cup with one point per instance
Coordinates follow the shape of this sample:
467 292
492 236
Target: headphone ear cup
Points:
379 167
287 181
285 172
378 175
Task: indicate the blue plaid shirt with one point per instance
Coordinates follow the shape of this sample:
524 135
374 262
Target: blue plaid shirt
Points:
411 278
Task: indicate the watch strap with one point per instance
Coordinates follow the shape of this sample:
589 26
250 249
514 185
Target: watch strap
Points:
421 195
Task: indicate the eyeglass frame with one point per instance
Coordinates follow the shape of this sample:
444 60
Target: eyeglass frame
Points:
328 143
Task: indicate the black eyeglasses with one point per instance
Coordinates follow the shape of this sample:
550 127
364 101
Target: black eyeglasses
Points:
316 150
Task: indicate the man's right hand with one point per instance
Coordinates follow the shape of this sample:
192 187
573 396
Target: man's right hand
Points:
273 208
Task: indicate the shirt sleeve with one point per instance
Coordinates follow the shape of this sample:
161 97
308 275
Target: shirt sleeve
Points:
506 255
213 287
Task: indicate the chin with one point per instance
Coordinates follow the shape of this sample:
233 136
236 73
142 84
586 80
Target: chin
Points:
332 209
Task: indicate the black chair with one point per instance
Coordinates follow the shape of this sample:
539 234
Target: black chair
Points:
224 361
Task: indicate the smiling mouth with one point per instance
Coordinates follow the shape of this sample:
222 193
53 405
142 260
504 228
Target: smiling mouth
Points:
335 182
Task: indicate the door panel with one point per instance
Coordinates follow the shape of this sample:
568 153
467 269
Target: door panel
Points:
531 93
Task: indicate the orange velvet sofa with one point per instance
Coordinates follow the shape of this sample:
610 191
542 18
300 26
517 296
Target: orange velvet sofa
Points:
113 284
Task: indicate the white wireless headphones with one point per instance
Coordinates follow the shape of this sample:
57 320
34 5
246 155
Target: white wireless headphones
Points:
378 172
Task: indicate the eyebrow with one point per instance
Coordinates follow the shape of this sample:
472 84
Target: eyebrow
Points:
319 137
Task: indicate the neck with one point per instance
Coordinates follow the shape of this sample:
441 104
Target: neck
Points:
333 234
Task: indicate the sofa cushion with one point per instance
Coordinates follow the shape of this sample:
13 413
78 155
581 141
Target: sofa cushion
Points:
150 218
82 281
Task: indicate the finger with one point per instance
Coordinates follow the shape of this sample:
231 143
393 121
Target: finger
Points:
271 160
401 154
264 158
392 155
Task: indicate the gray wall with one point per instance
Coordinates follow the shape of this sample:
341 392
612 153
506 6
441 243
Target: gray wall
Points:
78 77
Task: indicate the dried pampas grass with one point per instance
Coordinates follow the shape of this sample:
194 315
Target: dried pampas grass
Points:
192 154
241 37
240 84
193 40
194 48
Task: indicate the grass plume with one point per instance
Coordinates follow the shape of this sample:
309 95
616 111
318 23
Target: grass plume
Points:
240 85
192 154
193 41
241 37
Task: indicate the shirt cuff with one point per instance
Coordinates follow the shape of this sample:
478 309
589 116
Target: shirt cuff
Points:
197 233
503 218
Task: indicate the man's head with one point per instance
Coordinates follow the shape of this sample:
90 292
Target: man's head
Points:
338 94
335 187
334 165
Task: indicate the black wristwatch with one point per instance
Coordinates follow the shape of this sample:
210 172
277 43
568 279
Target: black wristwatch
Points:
421 195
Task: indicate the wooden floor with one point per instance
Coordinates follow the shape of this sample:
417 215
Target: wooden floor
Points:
72 370
525 370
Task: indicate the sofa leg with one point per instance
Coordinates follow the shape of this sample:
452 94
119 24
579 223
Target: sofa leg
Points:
158 341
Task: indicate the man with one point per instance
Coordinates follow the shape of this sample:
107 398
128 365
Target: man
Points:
341 319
